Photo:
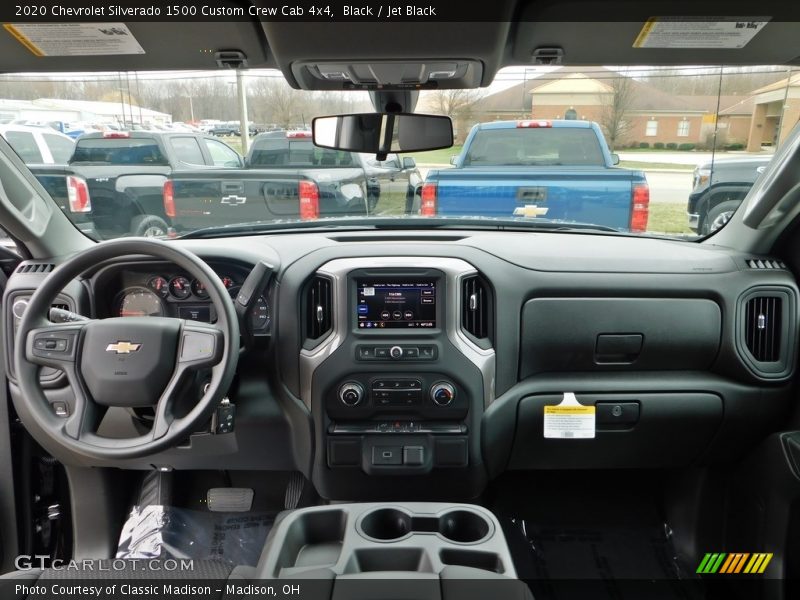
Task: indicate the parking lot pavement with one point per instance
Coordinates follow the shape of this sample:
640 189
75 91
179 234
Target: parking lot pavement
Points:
669 187
684 158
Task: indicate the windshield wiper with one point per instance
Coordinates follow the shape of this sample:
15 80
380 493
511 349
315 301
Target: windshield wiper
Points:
398 223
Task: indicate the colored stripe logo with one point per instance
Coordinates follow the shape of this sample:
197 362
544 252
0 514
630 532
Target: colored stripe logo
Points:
733 563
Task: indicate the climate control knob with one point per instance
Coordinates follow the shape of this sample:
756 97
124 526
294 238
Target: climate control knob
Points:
442 393
351 393
396 352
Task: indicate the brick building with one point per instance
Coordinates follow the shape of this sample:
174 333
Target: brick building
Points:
651 115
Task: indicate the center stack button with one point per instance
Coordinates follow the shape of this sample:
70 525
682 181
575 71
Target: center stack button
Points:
396 352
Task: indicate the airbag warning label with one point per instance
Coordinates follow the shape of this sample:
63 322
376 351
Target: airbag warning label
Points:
569 420
699 32
75 39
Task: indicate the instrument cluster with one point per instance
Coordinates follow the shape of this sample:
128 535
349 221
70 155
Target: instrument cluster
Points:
161 294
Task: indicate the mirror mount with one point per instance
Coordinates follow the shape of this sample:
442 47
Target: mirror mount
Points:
394 101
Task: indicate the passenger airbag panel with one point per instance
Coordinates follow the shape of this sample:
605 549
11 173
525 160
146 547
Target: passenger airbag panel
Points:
601 334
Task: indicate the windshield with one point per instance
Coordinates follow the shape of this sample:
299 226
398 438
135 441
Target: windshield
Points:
633 150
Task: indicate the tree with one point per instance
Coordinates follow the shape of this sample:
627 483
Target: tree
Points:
615 105
459 105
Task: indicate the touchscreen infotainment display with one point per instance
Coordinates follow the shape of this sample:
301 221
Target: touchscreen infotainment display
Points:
396 304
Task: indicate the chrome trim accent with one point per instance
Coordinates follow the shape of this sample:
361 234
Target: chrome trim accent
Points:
694 220
454 269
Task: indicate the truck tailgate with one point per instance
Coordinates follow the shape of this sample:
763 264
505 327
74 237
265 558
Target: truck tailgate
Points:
598 196
220 197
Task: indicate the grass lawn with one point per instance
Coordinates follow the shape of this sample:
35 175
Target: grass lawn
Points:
435 157
634 164
668 218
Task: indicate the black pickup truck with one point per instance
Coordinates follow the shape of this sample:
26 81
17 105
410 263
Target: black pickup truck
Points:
286 177
113 184
718 189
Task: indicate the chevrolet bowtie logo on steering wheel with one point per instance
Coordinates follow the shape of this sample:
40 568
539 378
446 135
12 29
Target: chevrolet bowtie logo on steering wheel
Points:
123 347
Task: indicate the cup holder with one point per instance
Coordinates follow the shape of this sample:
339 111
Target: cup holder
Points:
463 526
386 524
459 526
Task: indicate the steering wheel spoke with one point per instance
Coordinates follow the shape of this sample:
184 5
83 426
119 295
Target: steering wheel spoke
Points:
55 344
201 347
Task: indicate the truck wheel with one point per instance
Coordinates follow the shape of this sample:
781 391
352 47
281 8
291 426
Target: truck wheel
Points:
149 226
718 216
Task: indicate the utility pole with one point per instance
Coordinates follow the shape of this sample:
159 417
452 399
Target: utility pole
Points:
244 126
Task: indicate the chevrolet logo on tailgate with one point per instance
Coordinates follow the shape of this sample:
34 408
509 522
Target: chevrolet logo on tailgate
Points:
123 348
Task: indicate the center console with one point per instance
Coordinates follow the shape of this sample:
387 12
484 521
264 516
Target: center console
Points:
413 540
397 385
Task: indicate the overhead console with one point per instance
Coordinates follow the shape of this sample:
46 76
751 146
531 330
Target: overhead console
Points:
379 75
395 382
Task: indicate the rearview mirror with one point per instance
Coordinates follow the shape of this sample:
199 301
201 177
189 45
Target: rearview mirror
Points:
382 133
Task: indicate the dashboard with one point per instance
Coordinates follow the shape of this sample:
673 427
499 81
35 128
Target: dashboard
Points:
419 365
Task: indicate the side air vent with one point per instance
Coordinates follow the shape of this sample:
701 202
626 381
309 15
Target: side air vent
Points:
319 308
35 268
766 331
476 303
765 263
762 328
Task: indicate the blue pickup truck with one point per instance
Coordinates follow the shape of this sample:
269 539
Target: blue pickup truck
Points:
551 170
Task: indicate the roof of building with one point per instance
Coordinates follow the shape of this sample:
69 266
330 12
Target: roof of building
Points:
98 107
644 97
792 81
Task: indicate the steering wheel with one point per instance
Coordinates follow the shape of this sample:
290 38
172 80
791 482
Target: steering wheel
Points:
123 361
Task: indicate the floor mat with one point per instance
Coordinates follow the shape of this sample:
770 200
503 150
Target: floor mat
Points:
587 538
169 532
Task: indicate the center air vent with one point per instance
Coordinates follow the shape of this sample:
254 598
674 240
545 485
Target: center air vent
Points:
766 336
319 309
476 307
35 268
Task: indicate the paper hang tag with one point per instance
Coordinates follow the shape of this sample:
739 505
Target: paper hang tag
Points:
75 39
699 32
569 420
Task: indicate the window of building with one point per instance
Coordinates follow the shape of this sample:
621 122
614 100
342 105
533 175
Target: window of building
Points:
683 128
652 128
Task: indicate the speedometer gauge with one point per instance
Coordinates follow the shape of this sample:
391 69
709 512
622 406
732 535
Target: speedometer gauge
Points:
138 302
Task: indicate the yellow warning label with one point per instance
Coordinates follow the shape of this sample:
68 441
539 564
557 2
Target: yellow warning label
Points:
646 29
569 419
568 410
23 40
